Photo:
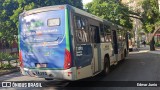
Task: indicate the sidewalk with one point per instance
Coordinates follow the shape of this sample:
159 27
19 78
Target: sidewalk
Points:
157 51
147 49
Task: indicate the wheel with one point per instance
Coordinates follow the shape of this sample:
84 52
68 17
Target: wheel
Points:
106 66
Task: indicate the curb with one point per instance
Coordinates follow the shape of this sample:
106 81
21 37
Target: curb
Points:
146 51
155 52
9 71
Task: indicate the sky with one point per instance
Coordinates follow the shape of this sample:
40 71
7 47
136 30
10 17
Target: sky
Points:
86 1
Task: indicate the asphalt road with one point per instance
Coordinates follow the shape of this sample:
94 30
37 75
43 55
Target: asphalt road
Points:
137 67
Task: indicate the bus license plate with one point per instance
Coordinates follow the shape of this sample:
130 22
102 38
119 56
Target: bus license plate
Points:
41 73
41 65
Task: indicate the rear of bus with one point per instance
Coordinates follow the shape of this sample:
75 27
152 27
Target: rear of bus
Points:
44 44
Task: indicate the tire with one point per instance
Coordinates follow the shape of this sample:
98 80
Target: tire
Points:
106 66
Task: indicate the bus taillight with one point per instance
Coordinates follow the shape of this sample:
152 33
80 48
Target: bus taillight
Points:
20 59
67 61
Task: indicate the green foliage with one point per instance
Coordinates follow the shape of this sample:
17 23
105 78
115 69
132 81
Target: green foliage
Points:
2 56
112 11
14 56
10 10
150 15
157 44
6 66
7 56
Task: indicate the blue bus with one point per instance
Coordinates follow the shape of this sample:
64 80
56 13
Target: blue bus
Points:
66 43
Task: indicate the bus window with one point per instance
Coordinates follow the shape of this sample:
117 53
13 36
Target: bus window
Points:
94 33
108 39
102 33
81 30
107 33
124 35
83 23
121 34
53 22
78 23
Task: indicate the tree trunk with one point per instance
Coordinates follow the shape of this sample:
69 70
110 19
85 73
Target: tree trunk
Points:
152 47
152 42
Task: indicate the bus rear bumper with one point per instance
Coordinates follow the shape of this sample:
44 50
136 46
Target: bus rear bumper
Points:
68 74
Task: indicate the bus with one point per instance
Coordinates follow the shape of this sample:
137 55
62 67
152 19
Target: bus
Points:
62 42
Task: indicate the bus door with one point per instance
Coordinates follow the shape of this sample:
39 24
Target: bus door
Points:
115 42
95 39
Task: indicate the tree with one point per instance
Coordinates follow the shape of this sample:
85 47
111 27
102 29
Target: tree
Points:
111 10
10 10
7 27
151 19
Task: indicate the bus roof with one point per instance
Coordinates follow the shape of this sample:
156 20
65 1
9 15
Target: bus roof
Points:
58 7
43 9
79 11
82 12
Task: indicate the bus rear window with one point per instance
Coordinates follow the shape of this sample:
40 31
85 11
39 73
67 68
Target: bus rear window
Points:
53 22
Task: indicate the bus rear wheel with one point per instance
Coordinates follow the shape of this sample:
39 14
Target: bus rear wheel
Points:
106 66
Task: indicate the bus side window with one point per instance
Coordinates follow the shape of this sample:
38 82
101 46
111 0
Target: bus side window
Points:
121 35
81 29
94 34
107 33
78 23
97 35
102 34
124 35
91 34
